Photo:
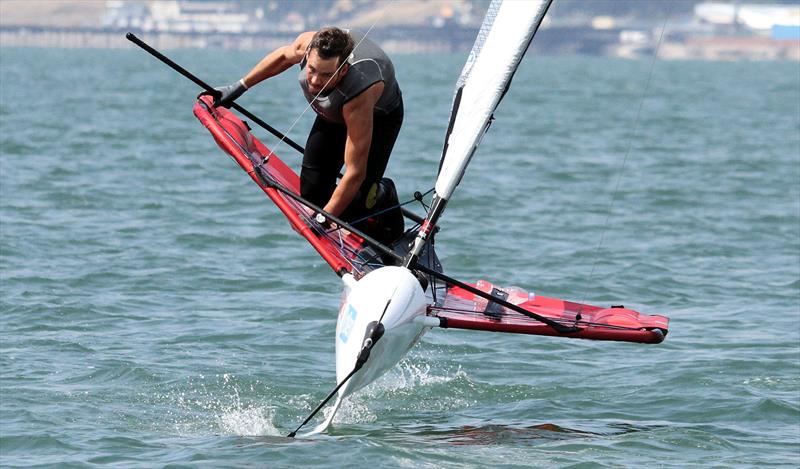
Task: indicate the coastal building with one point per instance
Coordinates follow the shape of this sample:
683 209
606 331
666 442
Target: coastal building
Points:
718 30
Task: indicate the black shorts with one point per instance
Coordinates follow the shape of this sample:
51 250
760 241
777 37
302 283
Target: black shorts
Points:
324 158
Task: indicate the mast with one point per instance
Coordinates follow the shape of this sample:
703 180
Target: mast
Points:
505 35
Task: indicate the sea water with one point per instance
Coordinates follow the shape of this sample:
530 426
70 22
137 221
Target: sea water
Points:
157 310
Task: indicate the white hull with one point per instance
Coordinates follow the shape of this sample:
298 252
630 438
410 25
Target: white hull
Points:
363 305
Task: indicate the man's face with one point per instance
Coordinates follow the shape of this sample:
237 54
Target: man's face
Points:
320 72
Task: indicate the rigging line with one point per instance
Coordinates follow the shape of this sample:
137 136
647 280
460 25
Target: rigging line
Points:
320 230
381 212
308 106
528 321
393 207
636 124
262 160
421 198
270 182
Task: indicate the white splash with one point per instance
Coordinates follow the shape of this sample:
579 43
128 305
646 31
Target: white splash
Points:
410 377
218 407
253 421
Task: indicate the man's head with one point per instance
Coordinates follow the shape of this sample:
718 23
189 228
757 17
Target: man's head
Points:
328 50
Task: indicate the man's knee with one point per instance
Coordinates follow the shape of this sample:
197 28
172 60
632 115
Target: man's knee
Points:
382 201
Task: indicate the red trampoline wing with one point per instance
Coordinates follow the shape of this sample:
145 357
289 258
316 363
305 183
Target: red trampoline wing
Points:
340 251
463 310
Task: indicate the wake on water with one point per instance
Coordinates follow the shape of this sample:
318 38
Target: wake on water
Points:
407 377
227 405
214 405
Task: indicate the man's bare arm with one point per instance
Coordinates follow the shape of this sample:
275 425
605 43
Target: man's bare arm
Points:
357 115
279 60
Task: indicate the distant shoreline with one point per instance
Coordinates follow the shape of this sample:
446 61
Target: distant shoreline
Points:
416 40
410 40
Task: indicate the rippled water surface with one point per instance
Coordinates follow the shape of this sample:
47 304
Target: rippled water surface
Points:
157 310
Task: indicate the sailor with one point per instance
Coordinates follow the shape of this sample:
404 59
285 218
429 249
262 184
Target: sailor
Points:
350 83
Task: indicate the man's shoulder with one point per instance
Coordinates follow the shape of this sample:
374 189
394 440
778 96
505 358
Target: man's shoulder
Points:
361 74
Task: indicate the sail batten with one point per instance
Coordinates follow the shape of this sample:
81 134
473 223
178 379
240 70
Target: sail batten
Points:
504 37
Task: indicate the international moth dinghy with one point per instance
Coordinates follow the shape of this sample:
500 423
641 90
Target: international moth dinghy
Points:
393 294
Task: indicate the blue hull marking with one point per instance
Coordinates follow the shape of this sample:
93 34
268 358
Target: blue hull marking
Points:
349 322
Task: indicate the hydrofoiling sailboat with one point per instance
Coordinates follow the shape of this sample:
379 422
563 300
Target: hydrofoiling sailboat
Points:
394 294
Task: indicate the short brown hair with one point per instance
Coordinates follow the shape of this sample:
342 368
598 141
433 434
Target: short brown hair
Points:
332 42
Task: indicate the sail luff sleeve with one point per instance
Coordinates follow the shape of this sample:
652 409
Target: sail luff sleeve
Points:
480 40
500 46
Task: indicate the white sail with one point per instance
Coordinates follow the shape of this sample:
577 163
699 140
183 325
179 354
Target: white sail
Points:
503 39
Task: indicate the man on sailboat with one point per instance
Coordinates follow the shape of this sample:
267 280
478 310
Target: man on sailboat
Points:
350 83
